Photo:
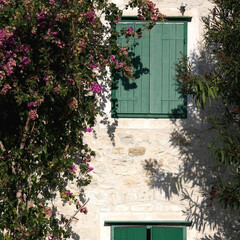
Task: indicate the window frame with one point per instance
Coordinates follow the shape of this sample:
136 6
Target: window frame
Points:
149 225
184 20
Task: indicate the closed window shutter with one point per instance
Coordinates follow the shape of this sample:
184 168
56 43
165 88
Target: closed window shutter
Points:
166 43
133 95
167 233
130 233
155 91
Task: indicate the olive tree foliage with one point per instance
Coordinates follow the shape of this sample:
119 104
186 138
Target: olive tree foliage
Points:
222 34
53 54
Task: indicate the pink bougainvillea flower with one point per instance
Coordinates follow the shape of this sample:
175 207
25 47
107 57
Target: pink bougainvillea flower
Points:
127 69
52 2
33 114
73 103
88 129
5 89
130 30
120 64
83 210
72 81
68 193
74 169
95 87
47 78
112 57
90 169
32 104
58 88
48 211
87 159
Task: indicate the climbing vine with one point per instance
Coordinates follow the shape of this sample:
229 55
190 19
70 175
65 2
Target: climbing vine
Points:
54 56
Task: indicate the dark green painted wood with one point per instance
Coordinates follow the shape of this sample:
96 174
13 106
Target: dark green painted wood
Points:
154 93
168 41
127 222
130 94
167 19
130 233
167 233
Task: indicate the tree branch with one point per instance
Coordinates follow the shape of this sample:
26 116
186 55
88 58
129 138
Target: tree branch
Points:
24 138
2 147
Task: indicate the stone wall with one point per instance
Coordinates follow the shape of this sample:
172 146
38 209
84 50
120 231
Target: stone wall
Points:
154 169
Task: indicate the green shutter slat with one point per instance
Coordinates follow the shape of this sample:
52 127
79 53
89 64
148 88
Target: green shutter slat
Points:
141 51
130 233
156 69
167 233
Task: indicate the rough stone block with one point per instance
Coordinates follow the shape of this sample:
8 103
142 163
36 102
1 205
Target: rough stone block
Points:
136 151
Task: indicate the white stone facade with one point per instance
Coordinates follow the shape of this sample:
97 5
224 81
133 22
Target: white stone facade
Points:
154 169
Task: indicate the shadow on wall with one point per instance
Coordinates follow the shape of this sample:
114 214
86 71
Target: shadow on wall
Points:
110 123
198 173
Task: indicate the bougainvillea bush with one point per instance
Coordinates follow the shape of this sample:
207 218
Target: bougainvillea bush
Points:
53 54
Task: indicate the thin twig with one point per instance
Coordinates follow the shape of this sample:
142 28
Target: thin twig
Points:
24 138
2 146
69 221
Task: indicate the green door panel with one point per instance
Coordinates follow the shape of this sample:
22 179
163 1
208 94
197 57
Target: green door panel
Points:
130 233
167 233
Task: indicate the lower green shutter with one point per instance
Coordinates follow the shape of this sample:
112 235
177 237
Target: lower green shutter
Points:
167 233
130 233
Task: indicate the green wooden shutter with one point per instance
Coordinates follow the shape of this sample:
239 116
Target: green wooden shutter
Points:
133 96
167 233
166 43
130 233
154 92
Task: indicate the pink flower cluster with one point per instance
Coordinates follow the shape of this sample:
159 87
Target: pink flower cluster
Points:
73 103
120 64
90 169
50 235
83 210
47 80
4 2
33 114
32 104
52 36
24 61
48 211
8 67
95 87
88 129
87 159
130 31
71 81
90 17
58 88
52 2
5 89
74 169
9 57
148 9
